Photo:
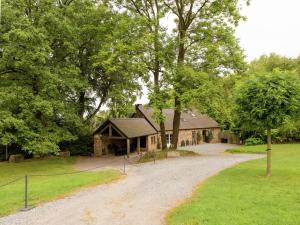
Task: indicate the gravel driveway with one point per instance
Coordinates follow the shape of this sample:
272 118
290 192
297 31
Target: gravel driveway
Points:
142 198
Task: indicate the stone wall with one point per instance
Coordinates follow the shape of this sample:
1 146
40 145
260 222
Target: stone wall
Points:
152 146
185 136
216 135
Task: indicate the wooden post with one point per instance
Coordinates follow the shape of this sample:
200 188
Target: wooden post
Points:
269 152
128 147
97 145
139 145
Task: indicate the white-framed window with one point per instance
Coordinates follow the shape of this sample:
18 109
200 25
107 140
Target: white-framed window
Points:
169 139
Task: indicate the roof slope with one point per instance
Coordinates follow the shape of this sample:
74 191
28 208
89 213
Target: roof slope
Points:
189 119
130 127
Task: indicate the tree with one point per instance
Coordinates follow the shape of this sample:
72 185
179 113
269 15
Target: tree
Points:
60 61
156 53
265 100
269 63
104 46
204 41
34 112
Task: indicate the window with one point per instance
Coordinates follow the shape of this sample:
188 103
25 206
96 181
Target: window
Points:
169 139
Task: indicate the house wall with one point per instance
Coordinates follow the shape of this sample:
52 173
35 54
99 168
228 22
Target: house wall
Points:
187 135
152 146
216 135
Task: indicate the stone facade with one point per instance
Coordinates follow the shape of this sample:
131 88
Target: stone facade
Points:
152 142
185 137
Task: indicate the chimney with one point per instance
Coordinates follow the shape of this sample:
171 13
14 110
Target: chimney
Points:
137 106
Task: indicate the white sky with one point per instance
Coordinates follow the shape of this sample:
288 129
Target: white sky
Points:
271 26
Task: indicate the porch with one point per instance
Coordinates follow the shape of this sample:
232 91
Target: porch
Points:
124 136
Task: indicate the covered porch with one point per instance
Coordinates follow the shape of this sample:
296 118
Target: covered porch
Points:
123 136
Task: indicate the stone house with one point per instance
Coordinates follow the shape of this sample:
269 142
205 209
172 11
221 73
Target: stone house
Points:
142 133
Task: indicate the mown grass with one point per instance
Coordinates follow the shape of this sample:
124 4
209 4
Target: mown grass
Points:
243 195
159 155
44 188
258 149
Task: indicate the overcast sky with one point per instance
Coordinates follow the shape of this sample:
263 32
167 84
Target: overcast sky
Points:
271 26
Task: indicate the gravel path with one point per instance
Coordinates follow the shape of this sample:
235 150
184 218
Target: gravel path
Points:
142 198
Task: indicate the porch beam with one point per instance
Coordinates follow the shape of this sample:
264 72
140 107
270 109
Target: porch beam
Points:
113 137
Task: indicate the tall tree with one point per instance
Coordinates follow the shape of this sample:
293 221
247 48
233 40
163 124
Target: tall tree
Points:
60 62
264 102
105 50
205 40
152 11
34 111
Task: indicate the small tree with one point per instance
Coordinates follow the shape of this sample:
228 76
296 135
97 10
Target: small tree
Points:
265 100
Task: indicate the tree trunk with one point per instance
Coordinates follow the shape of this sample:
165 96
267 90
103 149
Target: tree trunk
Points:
81 103
176 122
269 152
163 136
156 77
177 102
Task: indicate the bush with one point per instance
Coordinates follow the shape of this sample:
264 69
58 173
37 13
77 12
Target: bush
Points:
182 143
187 143
253 141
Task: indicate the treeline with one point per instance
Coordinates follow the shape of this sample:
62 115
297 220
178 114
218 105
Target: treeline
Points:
62 61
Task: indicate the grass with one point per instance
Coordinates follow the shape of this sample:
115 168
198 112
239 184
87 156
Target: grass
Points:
44 188
159 155
243 195
258 149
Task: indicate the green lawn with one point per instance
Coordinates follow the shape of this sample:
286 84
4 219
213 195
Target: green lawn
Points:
159 155
44 188
242 195
258 149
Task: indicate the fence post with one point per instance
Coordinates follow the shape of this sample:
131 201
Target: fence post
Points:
26 208
26 192
154 154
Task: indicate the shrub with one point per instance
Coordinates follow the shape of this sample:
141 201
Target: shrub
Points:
187 143
182 143
253 141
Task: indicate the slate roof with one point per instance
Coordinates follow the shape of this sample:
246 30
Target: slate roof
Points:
189 119
130 127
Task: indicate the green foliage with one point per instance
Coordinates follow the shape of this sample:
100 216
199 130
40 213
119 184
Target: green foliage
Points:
253 141
264 101
60 63
272 62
